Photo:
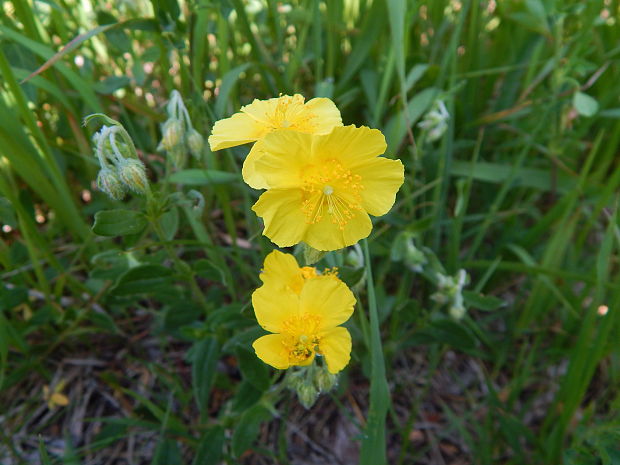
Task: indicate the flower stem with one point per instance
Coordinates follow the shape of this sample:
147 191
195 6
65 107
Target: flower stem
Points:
373 441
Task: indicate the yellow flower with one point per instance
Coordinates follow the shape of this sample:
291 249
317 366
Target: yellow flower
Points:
256 120
304 311
322 187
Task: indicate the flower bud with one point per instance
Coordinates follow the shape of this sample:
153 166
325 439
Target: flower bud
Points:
324 380
457 311
178 155
196 143
133 175
307 395
172 134
108 181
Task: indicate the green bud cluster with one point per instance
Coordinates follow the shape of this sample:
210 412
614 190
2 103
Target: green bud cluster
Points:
310 381
121 170
178 135
450 291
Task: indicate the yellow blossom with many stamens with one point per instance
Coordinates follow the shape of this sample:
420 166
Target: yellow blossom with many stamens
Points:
321 188
256 120
305 320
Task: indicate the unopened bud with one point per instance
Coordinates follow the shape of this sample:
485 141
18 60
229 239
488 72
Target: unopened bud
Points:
178 155
311 255
307 394
457 311
133 175
108 181
196 143
324 380
172 134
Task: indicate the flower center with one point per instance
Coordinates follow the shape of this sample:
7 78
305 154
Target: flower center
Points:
303 338
332 189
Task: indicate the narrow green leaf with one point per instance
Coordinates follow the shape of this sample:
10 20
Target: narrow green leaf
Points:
210 447
482 302
205 355
198 177
228 82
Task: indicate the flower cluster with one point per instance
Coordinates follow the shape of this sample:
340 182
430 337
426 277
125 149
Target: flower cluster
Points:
178 135
121 170
322 180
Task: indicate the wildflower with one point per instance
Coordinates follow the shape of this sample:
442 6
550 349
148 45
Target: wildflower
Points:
303 310
322 187
261 117
172 134
281 273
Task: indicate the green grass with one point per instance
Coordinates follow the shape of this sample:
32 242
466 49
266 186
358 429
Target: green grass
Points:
521 191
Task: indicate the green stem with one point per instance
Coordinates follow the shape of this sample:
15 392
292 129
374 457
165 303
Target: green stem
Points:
182 267
373 441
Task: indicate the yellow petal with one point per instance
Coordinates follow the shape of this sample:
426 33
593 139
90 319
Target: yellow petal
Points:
281 271
272 307
335 346
271 349
326 235
381 178
237 130
262 111
349 145
281 212
328 298
252 177
327 113
285 156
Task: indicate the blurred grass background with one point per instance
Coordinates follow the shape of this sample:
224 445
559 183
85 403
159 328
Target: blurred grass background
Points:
521 191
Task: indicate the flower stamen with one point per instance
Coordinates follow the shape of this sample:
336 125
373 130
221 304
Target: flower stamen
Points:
329 187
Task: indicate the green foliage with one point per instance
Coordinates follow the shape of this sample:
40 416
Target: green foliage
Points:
144 303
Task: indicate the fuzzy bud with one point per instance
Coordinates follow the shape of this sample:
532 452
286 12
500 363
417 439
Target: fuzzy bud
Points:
133 175
172 134
307 395
196 143
108 181
324 380
178 155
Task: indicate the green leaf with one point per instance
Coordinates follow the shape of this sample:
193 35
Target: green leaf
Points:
198 177
248 428
111 84
228 82
167 453
43 455
252 368
169 223
118 222
210 447
7 213
482 302
447 332
205 355
584 104
142 279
